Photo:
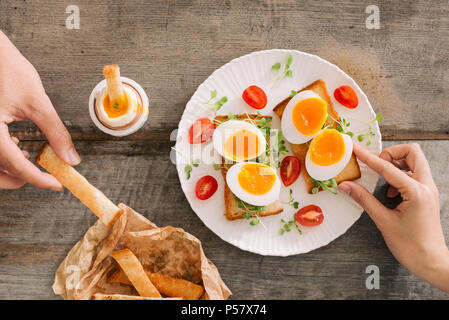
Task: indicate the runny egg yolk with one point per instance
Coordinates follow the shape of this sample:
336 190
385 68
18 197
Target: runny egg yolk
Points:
116 108
327 148
256 179
242 145
309 115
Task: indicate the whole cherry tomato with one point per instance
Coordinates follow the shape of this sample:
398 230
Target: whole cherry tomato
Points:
290 170
310 216
255 97
201 131
206 187
346 96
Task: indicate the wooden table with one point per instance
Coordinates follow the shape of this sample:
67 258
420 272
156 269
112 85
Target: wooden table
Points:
170 47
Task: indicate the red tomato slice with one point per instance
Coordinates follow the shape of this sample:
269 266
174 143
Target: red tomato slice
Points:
206 187
255 97
201 131
290 170
346 96
310 216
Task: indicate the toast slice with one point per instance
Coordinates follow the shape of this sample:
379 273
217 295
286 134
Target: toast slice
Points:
233 212
352 169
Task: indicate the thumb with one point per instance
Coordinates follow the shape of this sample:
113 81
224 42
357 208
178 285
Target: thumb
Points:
47 119
376 210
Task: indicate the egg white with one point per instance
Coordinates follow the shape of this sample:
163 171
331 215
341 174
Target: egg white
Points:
288 128
321 173
257 200
228 128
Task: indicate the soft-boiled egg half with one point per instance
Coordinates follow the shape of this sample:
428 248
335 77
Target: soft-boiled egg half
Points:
254 183
328 154
303 117
237 140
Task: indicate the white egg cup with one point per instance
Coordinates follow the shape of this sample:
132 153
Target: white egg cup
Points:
119 132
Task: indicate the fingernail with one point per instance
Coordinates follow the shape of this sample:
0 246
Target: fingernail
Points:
56 188
74 157
345 188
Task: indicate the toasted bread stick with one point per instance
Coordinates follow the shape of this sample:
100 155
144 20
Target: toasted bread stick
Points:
102 296
90 196
168 286
133 270
114 84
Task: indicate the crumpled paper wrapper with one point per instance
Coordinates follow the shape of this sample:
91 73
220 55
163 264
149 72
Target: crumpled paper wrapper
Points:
168 251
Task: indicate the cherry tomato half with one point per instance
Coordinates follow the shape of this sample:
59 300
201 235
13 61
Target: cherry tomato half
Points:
201 131
290 170
206 187
255 97
346 96
310 216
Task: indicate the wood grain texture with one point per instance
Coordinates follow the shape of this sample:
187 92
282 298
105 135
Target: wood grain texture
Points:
38 227
170 47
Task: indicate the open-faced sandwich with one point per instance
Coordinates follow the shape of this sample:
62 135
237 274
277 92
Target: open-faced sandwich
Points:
251 185
309 122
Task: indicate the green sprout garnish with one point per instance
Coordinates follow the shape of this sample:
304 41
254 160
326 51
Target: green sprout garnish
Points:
328 185
367 136
251 211
287 225
217 104
292 202
287 72
188 168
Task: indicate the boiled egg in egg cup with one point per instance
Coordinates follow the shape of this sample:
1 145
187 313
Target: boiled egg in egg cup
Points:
118 105
254 183
303 117
328 154
238 140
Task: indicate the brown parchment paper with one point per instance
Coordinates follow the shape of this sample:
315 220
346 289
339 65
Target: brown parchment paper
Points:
168 251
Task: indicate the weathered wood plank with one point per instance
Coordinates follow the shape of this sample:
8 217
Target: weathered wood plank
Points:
170 47
38 227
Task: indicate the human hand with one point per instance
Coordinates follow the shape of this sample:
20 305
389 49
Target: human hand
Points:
22 96
412 231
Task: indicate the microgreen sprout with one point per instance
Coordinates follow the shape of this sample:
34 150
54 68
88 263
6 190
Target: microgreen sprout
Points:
217 104
281 144
328 185
188 167
188 170
367 136
342 125
293 93
292 202
287 225
287 72
251 212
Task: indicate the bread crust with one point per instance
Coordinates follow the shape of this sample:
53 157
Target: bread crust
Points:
352 169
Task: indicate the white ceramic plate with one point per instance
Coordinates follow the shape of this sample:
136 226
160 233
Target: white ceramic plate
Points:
230 80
